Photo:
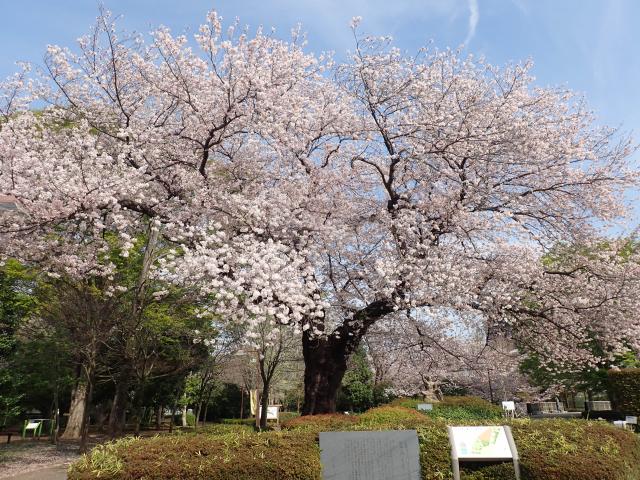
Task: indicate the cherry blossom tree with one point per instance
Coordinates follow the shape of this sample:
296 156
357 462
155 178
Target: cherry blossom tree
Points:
318 195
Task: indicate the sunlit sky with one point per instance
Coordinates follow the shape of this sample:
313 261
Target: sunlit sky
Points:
590 46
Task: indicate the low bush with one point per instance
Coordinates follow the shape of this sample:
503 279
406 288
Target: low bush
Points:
232 456
624 389
391 417
549 450
221 428
456 408
286 416
319 423
239 421
573 450
406 402
466 408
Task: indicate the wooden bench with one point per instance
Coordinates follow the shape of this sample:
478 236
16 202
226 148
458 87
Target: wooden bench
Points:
9 434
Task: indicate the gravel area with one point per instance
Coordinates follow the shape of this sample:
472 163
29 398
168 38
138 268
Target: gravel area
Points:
27 456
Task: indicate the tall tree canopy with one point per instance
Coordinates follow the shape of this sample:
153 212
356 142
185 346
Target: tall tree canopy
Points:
317 194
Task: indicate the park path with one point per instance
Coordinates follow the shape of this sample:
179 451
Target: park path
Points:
24 460
50 473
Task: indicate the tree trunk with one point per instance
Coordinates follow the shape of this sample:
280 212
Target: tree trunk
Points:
73 430
198 410
264 399
119 405
184 416
140 413
101 417
86 420
159 412
325 363
325 357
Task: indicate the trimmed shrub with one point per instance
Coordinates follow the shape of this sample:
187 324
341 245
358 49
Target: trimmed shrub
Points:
405 402
465 408
319 423
576 449
286 416
455 408
624 390
392 417
236 456
238 421
549 450
222 428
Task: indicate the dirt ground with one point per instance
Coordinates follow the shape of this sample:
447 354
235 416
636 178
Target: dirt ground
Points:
30 457
38 459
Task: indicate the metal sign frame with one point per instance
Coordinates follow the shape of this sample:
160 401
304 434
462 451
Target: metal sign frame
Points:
455 459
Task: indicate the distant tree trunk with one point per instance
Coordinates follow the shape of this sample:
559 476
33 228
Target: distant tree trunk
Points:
197 420
84 438
159 412
101 417
264 399
77 409
204 417
184 416
55 416
172 419
119 405
140 413
490 385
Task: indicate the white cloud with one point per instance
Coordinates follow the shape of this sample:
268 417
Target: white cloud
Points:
474 17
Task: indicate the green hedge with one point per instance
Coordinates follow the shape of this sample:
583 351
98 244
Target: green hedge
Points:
624 390
319 423
456 408
232 456
549 450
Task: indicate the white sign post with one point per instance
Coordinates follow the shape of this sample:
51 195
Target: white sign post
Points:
273 413
486 443
509 408
631 420
34 425
425 407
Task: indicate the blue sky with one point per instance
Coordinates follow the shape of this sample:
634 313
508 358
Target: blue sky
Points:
587 45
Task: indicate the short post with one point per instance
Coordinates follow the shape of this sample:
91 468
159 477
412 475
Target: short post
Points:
514 451
455 462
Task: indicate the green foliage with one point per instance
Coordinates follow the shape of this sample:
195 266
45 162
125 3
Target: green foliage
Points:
357 391
228 456
319 423
191 419
624 390
31 360
224 401
16 302
465 408
247 425
395 417
456 408
239 421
